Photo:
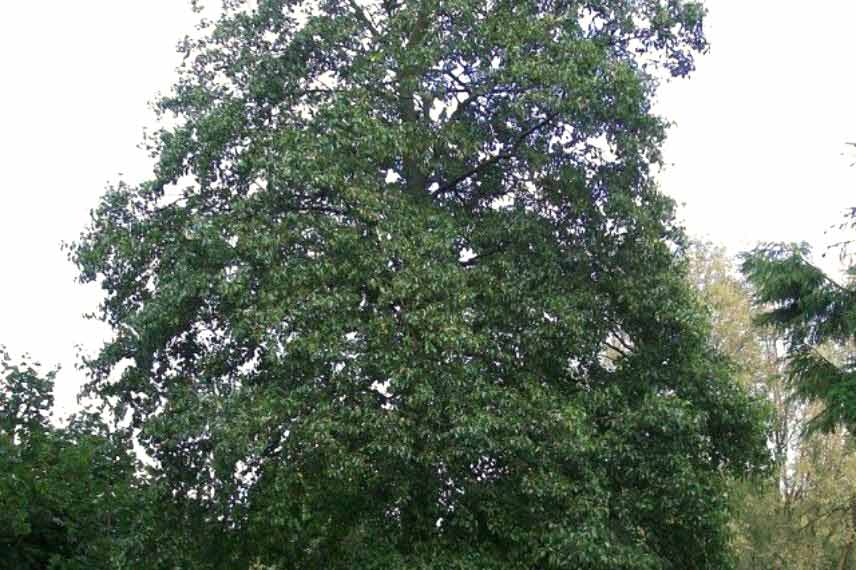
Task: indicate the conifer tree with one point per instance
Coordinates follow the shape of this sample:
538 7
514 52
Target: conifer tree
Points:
811 310
816 315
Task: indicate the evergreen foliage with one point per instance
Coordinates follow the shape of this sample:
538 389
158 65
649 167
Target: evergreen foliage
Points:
816 316
810 309
800 517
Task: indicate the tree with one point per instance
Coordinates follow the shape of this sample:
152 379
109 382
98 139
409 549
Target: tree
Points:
729 301
402 293
793 519
64 492
800 519
816 316
812 310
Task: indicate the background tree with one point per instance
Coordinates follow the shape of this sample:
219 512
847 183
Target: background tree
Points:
800 517
402 293
64 491
812 311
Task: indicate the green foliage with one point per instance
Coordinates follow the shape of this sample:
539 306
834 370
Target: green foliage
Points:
728 300
402 293
800 519
26 398
63 491
800 516
810 310
817 318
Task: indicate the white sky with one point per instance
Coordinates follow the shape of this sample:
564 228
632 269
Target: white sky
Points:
757 154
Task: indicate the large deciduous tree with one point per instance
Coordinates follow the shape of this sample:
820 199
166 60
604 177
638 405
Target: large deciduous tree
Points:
402 292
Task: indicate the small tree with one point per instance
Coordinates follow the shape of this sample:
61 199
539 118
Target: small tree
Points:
402 292
64 492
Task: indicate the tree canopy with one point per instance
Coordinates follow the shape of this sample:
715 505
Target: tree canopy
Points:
801 517
402 293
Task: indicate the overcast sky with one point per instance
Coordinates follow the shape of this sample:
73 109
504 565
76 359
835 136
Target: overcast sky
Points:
757 152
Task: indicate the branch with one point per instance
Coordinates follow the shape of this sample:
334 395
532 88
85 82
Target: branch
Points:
823 274
465 87
420 27
615 348
362 16
390 6
618 334
622 341
494 159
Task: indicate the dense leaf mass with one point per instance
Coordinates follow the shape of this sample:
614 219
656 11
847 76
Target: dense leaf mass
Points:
402 293
64 492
